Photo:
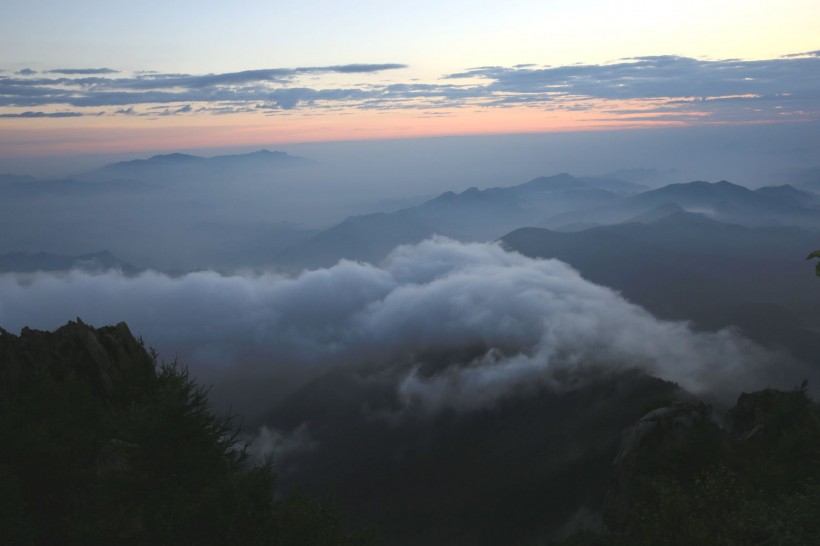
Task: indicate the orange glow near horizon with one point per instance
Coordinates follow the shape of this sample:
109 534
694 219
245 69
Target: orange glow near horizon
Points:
93 135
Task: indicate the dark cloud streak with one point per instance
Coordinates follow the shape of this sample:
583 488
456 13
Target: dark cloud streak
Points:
43 115
81 71
790 84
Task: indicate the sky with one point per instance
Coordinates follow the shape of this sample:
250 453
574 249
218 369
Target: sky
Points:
106 77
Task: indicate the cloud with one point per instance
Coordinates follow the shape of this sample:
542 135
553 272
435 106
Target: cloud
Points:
165 111
26 72
450 325
82 71
710 90
660 77
43 115
360 68
268 443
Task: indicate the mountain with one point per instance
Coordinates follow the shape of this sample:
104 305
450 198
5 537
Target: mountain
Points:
685 266
23 262
723 201
367 238
513 473
141 175
472 215
693 195
680 476
171 167
113 364
569 204
220 219
105 446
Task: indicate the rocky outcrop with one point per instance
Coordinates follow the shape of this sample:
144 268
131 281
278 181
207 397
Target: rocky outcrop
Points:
101 448
761 414
110 360
768 441
657 440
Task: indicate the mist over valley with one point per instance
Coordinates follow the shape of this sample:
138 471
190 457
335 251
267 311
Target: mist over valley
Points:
542 316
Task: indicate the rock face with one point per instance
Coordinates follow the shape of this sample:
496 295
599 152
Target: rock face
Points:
768 443
101 447
658 439
761 414
110 360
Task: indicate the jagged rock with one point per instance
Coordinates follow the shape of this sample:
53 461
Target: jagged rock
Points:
651 443
769 439
110 359
665 428
761 413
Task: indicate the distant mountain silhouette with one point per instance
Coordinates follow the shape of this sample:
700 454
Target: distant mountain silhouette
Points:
569 203
685 266
724 201
174 212
472 215
161 167
140 175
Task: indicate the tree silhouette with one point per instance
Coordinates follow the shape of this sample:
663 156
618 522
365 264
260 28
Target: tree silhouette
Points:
815 254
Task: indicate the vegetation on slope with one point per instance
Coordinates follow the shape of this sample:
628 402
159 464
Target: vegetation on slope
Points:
87 462
756 481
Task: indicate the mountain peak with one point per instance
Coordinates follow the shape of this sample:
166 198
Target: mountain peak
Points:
787 193
173 157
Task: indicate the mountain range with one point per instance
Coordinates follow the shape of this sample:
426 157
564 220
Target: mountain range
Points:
688 267
722 201
472 215
179 166
561 202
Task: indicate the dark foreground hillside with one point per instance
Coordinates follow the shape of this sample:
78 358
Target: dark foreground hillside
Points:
680 479
515 473
102 446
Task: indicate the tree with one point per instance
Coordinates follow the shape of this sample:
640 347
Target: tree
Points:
81 468
815 254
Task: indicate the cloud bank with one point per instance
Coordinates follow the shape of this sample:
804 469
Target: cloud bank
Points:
663 87
451 325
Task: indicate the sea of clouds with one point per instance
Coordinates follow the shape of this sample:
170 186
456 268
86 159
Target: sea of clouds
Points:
457 325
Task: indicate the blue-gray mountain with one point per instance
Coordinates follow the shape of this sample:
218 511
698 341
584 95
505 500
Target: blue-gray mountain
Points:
560 202
687 267
472 215
722 201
